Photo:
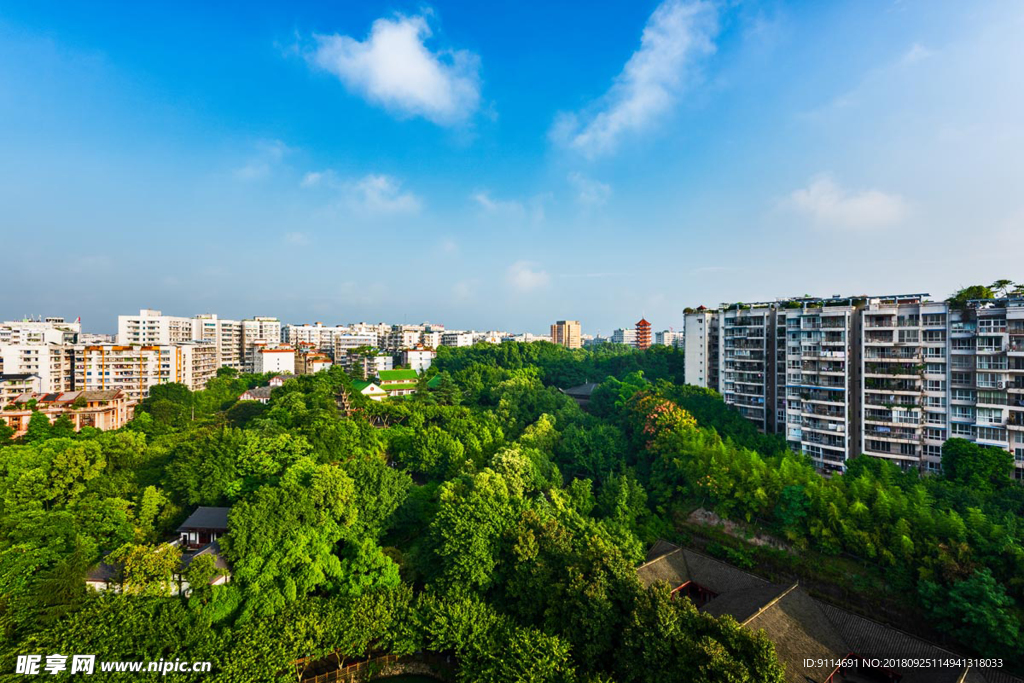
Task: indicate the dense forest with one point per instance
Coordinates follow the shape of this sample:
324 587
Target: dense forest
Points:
490 519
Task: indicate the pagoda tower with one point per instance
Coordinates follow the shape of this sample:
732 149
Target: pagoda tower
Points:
643 334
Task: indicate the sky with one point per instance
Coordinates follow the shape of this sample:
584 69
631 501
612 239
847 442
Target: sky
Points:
502 165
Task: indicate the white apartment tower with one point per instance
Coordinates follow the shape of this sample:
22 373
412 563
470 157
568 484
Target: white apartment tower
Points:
746 345
815 372
700 343
889 376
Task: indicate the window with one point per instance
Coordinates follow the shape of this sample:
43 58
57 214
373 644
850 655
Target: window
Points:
909 336
935 385
908 449
960 429
935 434
991 434
933 451
992 416
935 369
1018 455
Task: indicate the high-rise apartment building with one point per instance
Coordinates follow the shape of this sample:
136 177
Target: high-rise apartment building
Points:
745 349
567 333
52 362
256 332
889 376
135 369
152 327
226 335
700 348
815 375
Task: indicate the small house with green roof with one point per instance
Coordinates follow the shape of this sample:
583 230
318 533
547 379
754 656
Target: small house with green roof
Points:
369 390
398 382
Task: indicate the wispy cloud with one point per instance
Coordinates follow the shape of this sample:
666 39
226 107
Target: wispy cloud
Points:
677 35
916 53
589 192
526 276
829 205
512 209
393 68
268 154
297 239
374 193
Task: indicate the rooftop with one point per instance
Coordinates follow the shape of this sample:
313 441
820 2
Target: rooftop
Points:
206 518
802 628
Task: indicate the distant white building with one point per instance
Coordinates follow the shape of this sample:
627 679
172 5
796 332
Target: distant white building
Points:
258 332
419 359
625 336
457 339
49 331
668 338
273 358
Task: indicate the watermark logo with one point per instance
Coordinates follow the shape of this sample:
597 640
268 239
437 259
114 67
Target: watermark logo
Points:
86 664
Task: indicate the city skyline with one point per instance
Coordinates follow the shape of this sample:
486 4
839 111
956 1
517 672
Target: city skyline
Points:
339 163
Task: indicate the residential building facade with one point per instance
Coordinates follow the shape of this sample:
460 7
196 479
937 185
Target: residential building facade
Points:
890 376
567 333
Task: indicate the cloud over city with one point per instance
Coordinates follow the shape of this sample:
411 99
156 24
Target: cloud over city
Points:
830 206
395 69
677 36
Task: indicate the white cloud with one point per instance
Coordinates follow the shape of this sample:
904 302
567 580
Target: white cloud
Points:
525 276
298 239
393 68
677 34
269 154
916 53
829 205
312 179
374 193
378 193
491 205
589 192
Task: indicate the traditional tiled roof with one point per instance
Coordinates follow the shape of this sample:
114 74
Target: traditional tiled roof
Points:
581 390
801 627
258 393
206 518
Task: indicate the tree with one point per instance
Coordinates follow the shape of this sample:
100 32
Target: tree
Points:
1002 287
982 468
364 567
281 538
960 297
147 570
977 611
38 428
473 514
379 492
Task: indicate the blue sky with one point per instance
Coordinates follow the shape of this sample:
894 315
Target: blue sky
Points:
503 164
